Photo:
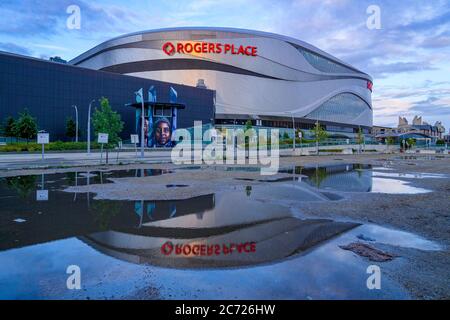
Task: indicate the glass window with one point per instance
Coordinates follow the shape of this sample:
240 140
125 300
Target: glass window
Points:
340 108
324 64
162 111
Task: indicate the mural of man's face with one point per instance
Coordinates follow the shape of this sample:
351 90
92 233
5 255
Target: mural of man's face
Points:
163 133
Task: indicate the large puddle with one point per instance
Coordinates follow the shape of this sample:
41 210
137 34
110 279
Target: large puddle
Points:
361 178
240 243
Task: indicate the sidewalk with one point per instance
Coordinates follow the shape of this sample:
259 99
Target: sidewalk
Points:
62 159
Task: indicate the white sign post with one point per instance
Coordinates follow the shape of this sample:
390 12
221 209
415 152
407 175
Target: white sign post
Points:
102 139
135 141
43 138
42 194
300 137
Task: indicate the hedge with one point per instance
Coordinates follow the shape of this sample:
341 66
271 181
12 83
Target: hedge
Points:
52 146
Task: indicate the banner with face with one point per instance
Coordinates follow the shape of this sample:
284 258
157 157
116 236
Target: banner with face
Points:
162 133
158 130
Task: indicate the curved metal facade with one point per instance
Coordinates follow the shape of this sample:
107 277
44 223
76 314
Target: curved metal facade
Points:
286 77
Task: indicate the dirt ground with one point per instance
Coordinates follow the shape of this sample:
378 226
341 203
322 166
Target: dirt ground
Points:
426 274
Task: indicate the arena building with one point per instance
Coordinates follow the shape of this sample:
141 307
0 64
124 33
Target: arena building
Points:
270 79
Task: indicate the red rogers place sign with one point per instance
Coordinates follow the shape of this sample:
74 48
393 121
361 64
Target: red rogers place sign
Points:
209 47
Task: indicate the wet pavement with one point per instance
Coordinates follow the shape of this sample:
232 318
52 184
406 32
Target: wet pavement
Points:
247 242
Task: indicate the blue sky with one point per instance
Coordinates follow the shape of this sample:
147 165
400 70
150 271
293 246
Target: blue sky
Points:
409 57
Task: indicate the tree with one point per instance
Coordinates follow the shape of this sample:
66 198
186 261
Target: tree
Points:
58 59
248 125
411 142
360 138
71 128
319 134
26 126
9 127
105 120
390 140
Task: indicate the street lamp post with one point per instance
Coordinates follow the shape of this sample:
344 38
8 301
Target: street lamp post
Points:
76 123
293 129
317 136
89 128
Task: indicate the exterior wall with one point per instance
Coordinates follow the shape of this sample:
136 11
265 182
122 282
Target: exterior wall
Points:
287 77
49 90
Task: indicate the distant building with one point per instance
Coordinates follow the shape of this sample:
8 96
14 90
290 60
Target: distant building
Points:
447 137
435 131
377 130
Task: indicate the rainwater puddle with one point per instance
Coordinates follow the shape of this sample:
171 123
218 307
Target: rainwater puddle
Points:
236 244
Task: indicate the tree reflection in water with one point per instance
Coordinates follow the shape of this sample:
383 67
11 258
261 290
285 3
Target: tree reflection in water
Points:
23 185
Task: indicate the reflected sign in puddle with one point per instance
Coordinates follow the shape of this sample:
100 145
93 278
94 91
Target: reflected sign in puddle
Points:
265 251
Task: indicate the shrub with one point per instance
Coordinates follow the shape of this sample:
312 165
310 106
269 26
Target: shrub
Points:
53 146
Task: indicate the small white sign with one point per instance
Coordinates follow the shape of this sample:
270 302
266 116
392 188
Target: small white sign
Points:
102 138
300 134
43 138
134 138
41 195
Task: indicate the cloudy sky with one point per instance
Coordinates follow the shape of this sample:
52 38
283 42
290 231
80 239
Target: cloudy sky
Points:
409 57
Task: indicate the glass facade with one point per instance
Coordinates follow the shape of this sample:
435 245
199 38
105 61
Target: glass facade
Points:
340 108
323 64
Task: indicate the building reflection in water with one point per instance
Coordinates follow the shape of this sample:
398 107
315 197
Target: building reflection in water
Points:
344 178
276 233
135 231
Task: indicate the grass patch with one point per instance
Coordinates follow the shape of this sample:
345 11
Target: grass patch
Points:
331 150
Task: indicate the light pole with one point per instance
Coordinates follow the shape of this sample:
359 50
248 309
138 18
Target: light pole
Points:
76 123
293 129
317 136
89 128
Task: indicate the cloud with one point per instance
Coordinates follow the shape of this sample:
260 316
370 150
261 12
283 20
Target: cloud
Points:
432 106
14 48
412 46
384 69
31 18
436 42
50 46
